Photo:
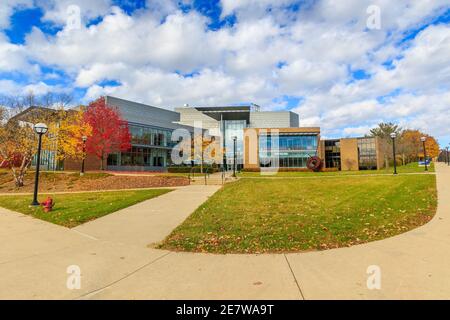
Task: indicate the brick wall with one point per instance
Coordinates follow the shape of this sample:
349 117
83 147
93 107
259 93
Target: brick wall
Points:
349 155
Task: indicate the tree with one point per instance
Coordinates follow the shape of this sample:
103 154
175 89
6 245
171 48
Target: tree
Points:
383 132
411 146
432 147
69 132
200 145
109 132
18 141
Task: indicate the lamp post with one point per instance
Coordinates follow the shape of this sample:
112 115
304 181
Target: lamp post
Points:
393 136
446 158
423 139
234 156
84 138
40 129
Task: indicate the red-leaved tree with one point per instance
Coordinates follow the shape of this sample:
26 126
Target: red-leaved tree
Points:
110 132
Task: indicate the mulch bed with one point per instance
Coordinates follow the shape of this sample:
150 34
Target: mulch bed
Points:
61 182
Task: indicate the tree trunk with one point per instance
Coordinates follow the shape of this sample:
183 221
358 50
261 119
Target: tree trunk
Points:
19 180
386 162
19 176
101 163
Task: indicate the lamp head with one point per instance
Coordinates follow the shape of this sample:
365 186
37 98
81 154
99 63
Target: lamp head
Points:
393 135
40 128
423 139
84 138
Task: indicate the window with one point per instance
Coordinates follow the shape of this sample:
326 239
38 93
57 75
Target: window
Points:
113 159
148 136
332 154
234 128
367 153
293 150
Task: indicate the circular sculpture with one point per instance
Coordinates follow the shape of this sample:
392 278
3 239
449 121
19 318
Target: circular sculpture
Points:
314 163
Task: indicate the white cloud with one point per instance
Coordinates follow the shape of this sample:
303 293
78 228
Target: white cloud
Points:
58 11
13 57
7 8
269 53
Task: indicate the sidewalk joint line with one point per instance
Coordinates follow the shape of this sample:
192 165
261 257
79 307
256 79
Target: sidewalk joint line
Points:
123 278
295 278
84 235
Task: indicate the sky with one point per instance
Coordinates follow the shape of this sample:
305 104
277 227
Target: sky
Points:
342 65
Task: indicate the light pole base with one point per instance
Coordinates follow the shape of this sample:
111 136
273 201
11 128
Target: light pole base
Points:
35 204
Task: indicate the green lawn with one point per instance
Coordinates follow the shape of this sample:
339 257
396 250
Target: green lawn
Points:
409 168
291 215
77 208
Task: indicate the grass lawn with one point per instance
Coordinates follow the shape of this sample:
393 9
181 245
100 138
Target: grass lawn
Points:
291 215
409 168
74 209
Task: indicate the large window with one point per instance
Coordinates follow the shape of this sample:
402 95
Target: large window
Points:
139 156
147 136
293 150
367 153
234 128
332 154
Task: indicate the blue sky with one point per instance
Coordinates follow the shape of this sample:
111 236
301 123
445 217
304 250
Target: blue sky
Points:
318 58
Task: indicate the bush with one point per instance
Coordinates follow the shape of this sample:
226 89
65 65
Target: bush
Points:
187 169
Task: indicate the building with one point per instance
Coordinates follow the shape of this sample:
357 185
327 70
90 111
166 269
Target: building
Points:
236 122
258 139
347 154
151 132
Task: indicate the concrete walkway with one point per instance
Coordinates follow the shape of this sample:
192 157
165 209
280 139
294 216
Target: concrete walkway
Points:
115 263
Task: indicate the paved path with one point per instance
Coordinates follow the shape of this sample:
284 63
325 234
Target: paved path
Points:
115 263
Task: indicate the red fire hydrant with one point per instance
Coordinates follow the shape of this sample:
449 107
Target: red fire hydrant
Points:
48 204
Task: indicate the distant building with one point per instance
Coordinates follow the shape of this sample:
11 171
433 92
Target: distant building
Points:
260 137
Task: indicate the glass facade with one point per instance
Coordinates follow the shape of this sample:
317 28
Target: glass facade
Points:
293 150
150 148
234 128
148 136
332 154
367 153
48 161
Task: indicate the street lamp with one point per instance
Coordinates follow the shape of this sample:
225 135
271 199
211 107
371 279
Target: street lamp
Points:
40 129
84 138
446 158
446 154
393 136
423 139
234 156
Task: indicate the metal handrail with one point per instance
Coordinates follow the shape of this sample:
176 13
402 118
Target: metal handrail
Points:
206 173
191 174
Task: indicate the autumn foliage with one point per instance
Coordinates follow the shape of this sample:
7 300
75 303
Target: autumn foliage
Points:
109 132
69 132
408 143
